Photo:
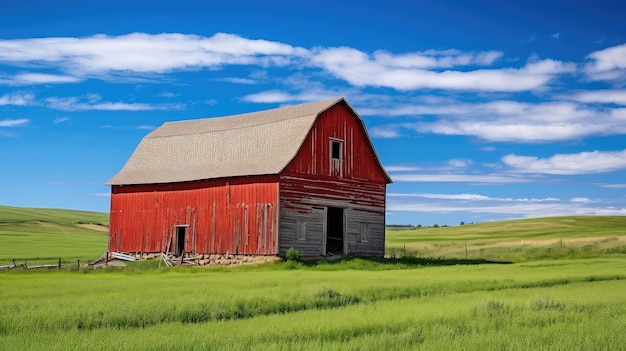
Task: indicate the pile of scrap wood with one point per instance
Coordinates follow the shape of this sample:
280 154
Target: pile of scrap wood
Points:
171 260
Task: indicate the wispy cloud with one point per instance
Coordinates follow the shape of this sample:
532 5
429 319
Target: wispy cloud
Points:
279 96
236 80
530 209
505 120
14 122
608 64
360 69
61 120
569 164
477 203
469 197
38 78
138 54
17 99
614 96
93 102
146 127
388 132
459 178
100 194
145 53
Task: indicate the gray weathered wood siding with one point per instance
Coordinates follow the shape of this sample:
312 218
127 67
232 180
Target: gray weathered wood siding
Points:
304 198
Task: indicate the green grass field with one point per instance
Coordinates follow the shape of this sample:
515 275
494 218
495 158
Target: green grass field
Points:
558 305
44 235
518 240
549 299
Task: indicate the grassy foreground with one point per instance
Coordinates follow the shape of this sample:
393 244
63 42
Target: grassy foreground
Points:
555 305
567 291
44 235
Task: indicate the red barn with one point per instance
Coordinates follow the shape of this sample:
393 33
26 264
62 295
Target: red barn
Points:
304 176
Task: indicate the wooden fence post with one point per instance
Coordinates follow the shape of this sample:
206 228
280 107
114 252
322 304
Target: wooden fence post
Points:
59 263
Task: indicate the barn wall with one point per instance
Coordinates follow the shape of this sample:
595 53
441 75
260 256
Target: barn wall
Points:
304 199
313 181
359 160
237 216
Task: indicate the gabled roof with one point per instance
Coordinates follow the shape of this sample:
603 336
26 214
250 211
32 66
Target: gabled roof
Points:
258 143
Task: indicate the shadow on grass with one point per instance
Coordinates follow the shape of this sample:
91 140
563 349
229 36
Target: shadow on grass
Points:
378 263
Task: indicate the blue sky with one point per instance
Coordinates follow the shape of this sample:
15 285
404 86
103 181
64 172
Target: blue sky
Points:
479 110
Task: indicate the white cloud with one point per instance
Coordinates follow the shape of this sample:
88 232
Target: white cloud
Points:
613 186
459 178
436 59
526 209
93 102
279 96
460 163
385 132
360 69
145 127
40 78
402 168
582 200
14 122
569 164
269 96
17 99
145 53
236 80
137 54
167 94
100 194
607 64
505 120
616 96
469 197
61 120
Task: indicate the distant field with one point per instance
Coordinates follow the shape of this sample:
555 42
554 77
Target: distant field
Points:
517 240
44 235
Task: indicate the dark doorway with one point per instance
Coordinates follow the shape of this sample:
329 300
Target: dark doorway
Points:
334 231
180 240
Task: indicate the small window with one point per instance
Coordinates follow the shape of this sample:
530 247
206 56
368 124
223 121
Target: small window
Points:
336 150
365 235
301 230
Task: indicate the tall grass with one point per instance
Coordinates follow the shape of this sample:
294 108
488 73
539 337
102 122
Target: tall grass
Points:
449 307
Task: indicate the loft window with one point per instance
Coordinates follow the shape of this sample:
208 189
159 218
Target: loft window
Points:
335 149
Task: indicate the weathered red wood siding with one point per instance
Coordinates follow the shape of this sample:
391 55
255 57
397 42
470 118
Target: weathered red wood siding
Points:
237 216
311 183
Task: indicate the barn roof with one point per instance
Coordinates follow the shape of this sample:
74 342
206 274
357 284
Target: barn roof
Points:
257 143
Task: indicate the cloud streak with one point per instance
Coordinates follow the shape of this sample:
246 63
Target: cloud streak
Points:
139 54
93 103
476 203
14 122
512 121
17 99
569 164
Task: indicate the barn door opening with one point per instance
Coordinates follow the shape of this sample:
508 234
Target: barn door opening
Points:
180 240
334 231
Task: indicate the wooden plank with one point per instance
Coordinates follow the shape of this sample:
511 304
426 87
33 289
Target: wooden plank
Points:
123 257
